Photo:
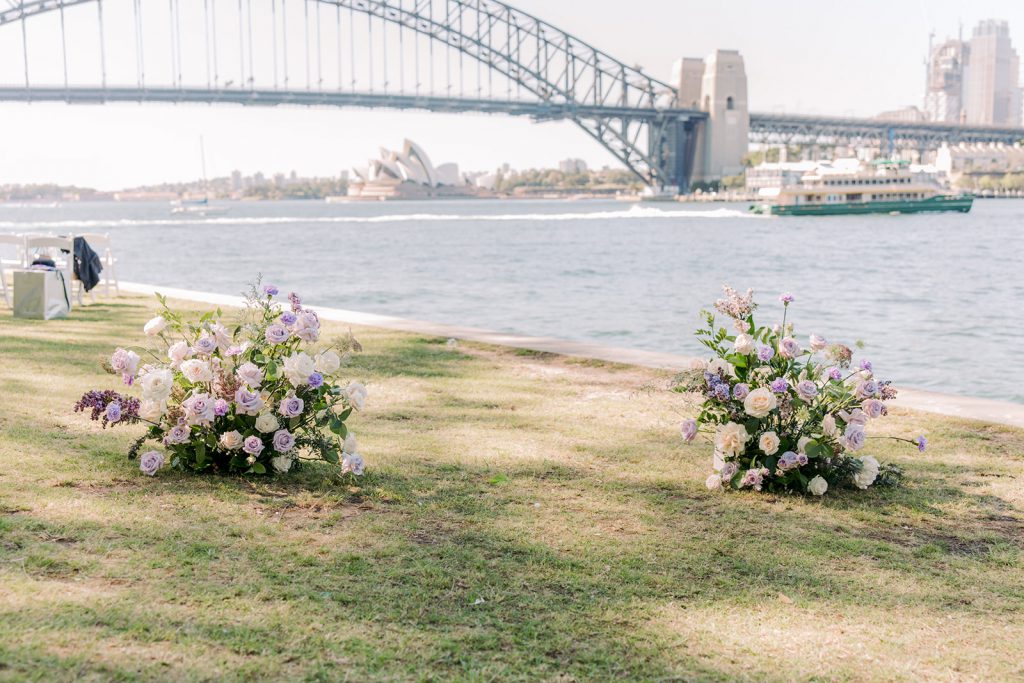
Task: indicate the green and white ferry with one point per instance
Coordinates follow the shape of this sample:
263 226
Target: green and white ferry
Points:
887 187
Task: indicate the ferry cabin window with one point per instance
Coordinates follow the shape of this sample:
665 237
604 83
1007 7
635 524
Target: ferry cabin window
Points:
729 104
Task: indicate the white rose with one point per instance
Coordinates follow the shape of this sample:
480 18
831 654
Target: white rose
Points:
714 482
720 364
157 385
350 445
744 344
802 443
178 352
769 443
230 441
328 362
152 410
817 486
250 375
731 438
266 423
867 474
356 393
155 326
196 370
828 425
281 463
759 402
298 367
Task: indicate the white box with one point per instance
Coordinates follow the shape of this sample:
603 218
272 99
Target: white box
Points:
41 294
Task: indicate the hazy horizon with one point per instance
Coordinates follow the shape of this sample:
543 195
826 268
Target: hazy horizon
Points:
800 57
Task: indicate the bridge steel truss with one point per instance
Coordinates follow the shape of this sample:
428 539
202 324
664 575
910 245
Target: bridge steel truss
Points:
797 129
629 113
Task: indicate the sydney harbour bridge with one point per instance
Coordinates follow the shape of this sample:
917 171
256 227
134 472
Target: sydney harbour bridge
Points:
436 55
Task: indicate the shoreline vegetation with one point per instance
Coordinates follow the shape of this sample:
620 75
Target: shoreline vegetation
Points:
524 516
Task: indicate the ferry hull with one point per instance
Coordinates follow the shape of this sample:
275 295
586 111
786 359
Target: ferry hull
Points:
961 203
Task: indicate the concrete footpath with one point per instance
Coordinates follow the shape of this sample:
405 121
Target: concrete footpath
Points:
1001 412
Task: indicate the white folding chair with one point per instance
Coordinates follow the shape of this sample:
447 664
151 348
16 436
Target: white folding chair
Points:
100 243
12 256
54 247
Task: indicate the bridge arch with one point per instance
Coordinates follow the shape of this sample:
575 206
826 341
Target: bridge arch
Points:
631 114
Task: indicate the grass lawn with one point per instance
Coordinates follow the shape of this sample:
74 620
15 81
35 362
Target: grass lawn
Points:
524 517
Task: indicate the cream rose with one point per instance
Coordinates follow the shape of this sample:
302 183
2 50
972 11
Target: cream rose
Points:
178 352
867 474
196 370
328 362
731 438
157 385
231 441
714 482
817 486
744 344
716 365
266 423
828 425
281 463
298 367
760 402
152 410
769 443
802 444
155 326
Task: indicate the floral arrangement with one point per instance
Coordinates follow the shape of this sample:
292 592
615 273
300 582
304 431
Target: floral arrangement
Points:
254 398
783 417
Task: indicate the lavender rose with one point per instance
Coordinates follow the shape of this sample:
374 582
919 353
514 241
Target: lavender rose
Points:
867 388
740 391
288 318
150 462
688 429
352 463
283 441
220 407
125 363
247 402
177 435
854 437
316 380
252 445
835 374
250 375
199 409
779 385
818 343
277 334
291 406
765 353
789 348
113 412
806 390
205 345
872 407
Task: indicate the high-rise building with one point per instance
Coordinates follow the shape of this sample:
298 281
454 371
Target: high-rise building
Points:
992 94
943 100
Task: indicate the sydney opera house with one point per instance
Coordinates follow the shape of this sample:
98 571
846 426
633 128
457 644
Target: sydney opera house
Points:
407 174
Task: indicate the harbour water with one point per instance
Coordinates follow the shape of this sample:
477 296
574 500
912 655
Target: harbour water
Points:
938 299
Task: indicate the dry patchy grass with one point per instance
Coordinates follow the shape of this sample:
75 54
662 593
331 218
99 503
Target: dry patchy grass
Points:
526 517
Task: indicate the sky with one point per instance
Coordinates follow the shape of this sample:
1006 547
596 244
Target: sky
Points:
851 59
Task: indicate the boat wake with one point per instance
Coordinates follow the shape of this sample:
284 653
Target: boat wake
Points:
634 213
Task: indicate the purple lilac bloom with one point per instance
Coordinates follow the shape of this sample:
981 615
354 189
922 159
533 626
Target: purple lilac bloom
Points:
779 385
722 391
296 302
689 429
740 391
252 445
98 404
865 365
316 380
835 374
786 298
113 412
277 334
270 290
921 443
220 407
288 318
766 353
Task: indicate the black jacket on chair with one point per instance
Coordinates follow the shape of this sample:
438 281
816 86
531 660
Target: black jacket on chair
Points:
87 264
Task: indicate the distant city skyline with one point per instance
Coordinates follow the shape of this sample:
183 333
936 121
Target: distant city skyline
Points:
800 57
